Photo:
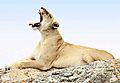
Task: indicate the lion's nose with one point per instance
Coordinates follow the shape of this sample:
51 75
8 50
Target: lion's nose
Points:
43 10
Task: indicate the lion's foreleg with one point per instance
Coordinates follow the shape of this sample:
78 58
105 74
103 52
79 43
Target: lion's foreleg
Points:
29 64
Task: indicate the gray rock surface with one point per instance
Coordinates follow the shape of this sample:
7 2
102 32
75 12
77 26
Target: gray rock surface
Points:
96 72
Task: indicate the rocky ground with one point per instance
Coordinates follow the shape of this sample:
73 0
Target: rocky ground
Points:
96 72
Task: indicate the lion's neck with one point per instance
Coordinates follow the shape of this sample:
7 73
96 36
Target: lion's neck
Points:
52 35
51 42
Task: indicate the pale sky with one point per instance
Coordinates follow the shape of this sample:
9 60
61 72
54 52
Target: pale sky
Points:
92 23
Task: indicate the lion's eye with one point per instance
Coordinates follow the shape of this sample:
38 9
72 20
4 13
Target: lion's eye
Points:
55 25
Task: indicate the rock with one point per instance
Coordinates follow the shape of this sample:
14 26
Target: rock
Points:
96 72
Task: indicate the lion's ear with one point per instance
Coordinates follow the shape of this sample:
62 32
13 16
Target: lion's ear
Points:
55 24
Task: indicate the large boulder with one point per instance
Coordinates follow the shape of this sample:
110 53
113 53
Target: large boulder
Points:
96 72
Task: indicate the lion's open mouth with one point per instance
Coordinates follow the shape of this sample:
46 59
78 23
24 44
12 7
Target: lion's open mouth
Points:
41 17
43 13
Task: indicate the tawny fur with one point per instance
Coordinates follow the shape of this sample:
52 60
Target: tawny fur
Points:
53 51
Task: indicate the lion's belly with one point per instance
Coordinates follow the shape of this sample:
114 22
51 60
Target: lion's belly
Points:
68 61
71 55
71 58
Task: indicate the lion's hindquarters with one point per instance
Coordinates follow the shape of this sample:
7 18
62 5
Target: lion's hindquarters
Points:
100 55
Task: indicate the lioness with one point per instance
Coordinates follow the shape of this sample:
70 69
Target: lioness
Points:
53 51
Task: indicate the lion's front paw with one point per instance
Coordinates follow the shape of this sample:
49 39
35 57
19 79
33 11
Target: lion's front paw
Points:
13 66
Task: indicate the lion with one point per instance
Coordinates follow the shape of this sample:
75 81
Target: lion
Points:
53 52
